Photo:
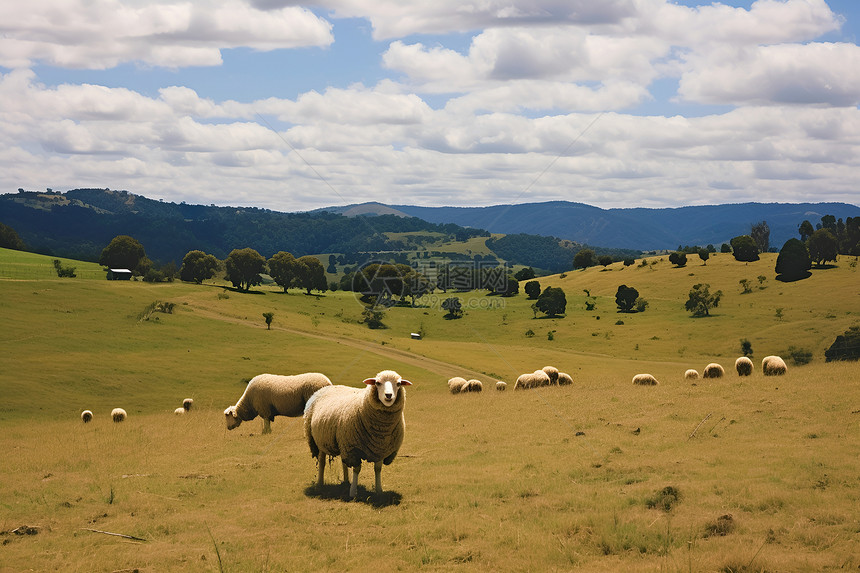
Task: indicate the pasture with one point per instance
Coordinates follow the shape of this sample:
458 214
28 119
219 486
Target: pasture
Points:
736 474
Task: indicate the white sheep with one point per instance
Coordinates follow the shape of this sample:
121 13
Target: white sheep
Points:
713 370
357 424
187 404
534 379
691 374
644 380
564 379
552 372
456 384
744 366
501 386
773 366
179 411
118 415
473 385
270 395
86 416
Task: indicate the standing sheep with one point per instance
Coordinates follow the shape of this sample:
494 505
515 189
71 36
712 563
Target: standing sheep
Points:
691 374
552 372
86 416
564 379
456 384
713 370
534 379
501 386
744 366
644 380
357 424
118 415
773 366
187 404
473 385
270 395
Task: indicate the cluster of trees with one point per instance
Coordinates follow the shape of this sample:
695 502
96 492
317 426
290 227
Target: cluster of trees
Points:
554 255
821 244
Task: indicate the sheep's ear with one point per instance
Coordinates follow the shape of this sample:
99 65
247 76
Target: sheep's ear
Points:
370 381
405 383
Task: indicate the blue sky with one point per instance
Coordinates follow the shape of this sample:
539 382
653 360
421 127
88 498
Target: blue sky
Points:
271 103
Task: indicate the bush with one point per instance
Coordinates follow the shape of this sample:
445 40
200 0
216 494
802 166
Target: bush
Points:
744 248
67 272
846 346
746 348
799 356
678 258
372 317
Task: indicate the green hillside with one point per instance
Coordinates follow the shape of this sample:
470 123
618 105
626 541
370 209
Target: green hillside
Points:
557 478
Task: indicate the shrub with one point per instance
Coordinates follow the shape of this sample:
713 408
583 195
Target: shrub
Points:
846 346
641 304
64 272
372 317
678 258
799 356
746 347
664 499
744 248
453 306
530 333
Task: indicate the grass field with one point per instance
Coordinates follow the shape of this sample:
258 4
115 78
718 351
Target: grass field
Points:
598 476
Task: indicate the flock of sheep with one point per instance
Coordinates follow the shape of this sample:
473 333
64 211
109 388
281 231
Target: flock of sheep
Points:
368 424
770 366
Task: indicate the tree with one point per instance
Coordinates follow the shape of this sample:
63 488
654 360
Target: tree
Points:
678 258
331 265
705 254
552 301
625 298
852 236
605 260
793 261
629 261
9 238
746 348
310 274
760 233
269 316
453 306
805 229
701 300
744 248
68 272
525 274
725 248
124 252
416 285
197 266
745 283
583 259
532 289
244 267
822 246
283 269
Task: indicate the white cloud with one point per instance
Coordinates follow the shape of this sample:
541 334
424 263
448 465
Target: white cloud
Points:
101 34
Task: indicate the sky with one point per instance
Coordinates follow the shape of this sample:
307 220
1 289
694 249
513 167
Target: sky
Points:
291 106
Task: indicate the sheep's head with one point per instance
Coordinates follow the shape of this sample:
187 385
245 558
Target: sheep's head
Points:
387 383
232 418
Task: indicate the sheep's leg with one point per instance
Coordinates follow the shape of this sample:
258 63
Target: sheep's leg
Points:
345 471
267 426
321 457
353 489
377 469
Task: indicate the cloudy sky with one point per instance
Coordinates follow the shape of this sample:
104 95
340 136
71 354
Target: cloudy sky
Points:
293 106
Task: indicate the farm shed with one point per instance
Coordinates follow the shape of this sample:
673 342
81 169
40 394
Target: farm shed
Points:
118 275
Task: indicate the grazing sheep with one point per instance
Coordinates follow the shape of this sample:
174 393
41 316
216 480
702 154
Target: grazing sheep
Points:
179 411
501 386
713 370
456 384
357 424
552 372
187 404
118 415
773 366
691 374
744 366
535 379
564 379
644 380
270 395
86 416
473 386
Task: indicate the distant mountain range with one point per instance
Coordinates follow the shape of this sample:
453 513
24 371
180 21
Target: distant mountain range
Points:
636 228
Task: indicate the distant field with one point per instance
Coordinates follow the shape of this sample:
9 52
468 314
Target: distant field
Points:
552 479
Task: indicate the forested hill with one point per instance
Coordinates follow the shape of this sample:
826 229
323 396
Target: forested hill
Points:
81 222
635 228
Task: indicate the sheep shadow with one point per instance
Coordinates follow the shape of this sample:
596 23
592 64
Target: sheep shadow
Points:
341 492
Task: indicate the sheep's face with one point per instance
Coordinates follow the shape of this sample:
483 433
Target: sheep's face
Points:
387 385
232 418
